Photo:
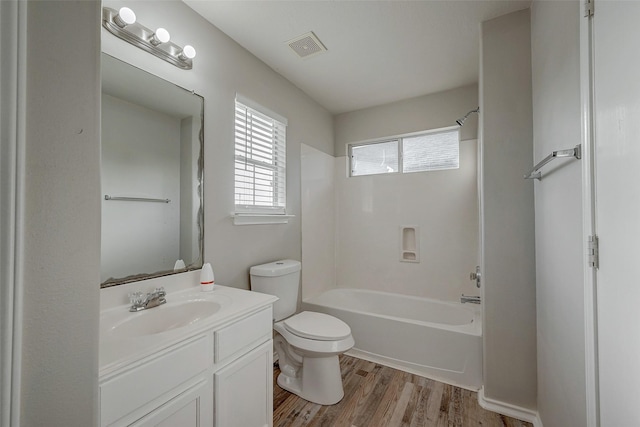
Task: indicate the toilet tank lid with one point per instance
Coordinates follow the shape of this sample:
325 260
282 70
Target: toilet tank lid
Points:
276 268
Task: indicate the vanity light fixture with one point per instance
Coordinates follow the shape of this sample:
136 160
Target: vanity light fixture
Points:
122 23
124 17
160 36
188 52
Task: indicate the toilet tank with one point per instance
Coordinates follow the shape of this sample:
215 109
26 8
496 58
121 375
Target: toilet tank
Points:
279 278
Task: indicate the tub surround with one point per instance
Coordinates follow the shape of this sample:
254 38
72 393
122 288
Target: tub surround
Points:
371 211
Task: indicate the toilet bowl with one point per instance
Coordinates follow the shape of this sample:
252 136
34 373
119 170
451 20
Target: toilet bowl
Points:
309 365
308 344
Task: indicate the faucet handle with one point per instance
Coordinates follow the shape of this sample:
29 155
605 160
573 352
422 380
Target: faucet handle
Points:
136 298
476 276
160 291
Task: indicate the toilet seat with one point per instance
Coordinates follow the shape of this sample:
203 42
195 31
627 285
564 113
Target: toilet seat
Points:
314 347
317 326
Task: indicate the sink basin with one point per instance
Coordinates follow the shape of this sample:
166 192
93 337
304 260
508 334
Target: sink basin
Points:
165 318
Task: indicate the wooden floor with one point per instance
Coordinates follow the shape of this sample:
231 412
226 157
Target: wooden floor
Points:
378 396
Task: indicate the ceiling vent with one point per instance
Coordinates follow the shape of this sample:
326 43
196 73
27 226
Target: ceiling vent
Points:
307 45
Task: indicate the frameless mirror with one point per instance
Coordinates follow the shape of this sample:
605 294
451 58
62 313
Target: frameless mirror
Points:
151 171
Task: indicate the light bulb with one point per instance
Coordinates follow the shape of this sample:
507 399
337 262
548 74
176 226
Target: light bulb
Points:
125 17
160 36
188 52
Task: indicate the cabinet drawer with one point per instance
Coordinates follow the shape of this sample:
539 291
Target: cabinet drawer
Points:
243 334
129 391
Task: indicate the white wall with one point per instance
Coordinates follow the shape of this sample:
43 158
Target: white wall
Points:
141 157
222 68
61 213
318 221
443 205
433 111
555 28
508 234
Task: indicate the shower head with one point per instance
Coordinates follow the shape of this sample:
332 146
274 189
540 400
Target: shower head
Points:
461 120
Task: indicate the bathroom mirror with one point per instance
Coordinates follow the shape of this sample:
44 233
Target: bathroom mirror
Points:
151 171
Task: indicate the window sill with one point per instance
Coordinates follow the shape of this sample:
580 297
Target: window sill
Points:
260 219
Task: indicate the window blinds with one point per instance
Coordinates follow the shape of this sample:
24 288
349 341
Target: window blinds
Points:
431 151
260 162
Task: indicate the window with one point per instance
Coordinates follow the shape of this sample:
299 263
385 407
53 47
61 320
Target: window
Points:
260 165
431 151
415 153
374 159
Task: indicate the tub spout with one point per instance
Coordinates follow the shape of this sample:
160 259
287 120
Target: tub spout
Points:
472 299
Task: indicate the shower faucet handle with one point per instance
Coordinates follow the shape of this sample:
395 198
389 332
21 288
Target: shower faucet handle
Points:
476 276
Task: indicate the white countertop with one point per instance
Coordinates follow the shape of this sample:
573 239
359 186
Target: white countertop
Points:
117 351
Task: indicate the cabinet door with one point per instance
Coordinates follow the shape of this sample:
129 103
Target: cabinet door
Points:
244 390
192 408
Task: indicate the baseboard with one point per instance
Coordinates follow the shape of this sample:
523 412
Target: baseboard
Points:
509 410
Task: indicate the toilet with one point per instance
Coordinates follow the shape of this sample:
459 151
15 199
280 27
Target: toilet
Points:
307 343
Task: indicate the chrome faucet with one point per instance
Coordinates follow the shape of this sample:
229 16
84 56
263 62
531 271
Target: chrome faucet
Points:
152 299
472 299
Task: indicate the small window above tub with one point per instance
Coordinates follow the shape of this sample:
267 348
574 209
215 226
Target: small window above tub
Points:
374 158
418 152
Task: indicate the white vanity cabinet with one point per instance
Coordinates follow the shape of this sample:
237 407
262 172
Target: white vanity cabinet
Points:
243 394
220 377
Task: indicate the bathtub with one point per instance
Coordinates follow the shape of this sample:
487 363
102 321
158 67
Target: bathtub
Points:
431 338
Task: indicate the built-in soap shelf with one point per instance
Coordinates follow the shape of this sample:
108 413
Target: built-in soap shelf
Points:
409 244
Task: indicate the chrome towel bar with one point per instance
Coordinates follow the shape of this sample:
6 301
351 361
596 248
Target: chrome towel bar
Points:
575 152
136 199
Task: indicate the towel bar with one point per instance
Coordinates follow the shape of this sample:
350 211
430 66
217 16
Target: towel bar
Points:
575 152
136 199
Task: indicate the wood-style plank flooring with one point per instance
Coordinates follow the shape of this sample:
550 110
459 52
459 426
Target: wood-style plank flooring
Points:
379 396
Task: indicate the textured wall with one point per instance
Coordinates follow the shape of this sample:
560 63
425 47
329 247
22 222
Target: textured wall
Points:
61 215
433 111
555 45
508 231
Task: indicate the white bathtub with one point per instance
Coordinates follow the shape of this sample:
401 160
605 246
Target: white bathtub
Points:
435 339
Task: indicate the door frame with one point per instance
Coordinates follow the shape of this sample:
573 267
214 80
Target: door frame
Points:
588 216
13 32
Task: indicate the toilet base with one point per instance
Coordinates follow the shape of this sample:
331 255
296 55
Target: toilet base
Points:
319 381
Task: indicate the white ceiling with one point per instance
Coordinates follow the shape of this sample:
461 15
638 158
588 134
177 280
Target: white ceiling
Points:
378 51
